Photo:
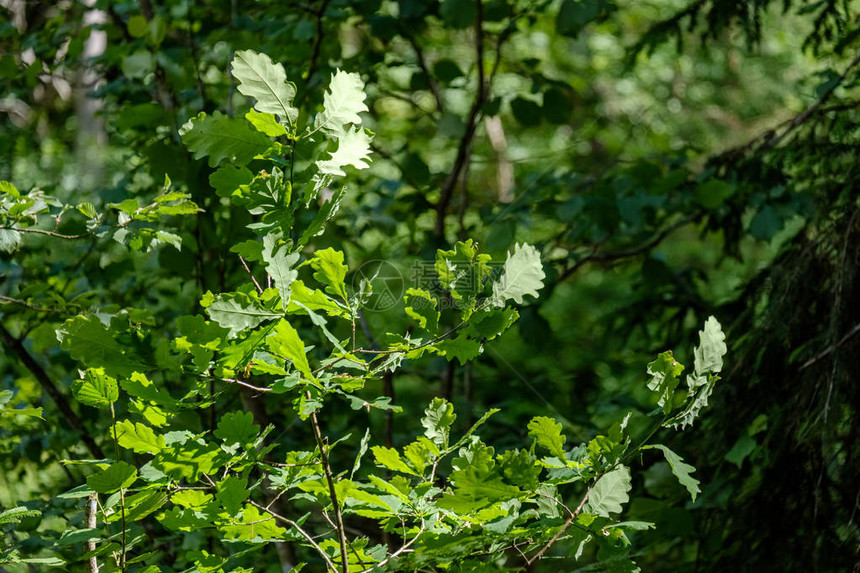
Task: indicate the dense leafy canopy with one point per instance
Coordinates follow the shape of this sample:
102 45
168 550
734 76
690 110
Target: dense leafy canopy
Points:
387 285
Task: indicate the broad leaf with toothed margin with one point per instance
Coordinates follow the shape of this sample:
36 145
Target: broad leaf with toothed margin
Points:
681 470
353 148
279 265
712 347
265 81
138 437
238 312
95 389
118 475
285 342
609 494
522 274
664 372
220 138
546 432
341 104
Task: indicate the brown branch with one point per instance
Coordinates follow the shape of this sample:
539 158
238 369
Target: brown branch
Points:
573 515
250 274
27 305
43 232
301 531
827 351
318 37
422 64
465 147
329 476
599 257
808 112
17 348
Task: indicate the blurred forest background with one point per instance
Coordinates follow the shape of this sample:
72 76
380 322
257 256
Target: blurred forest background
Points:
671 159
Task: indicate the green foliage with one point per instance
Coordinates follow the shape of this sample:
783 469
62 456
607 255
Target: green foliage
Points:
449 496
267 83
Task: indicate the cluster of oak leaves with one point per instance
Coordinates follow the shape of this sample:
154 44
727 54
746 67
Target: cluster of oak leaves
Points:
442 500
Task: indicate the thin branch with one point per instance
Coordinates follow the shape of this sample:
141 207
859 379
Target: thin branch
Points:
537 557
27 305
464 149
43 232
90 514
329 476
827 351
301 531
600 257
318 37
403 549
245 384
808 112
250 274
422 64
17 347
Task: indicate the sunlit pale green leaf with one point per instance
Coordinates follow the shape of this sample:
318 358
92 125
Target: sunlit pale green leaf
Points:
254 526
265 81
232 492
265 123
238 312
16 514
330 270
712 347
280 266
353 149
522 275
342 103
437 421
664 372
390 459
285 342
9 240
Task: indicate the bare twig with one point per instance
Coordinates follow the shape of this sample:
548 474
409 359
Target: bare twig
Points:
245 384
250 274
422 63
318 37
827 351
301 531
403 549
27 305
808 112
602 257
537 557
329 476
49 233
465 147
